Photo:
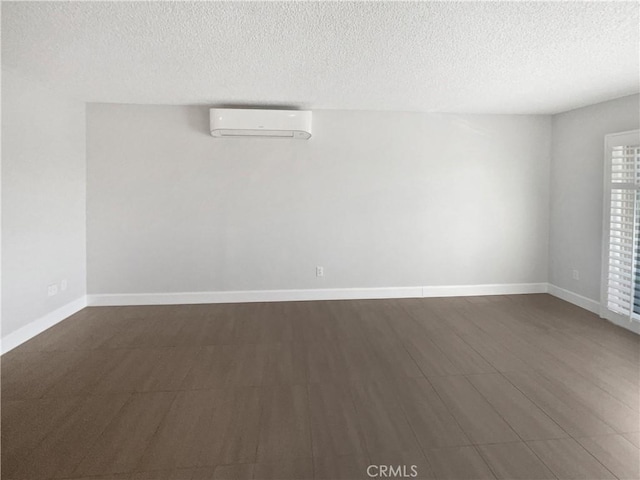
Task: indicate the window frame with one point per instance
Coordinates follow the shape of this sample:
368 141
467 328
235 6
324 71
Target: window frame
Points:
627 138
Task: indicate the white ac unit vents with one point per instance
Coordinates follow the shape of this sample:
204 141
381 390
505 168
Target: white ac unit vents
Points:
245 122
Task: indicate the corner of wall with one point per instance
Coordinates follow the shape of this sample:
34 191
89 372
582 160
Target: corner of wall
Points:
43 205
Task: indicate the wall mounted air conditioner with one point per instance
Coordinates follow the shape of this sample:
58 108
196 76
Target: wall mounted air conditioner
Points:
245 122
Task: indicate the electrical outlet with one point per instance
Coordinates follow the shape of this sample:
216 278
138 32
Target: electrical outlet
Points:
63 285
575 274
52 290
319 272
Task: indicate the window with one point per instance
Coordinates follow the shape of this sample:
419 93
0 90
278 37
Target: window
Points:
621 236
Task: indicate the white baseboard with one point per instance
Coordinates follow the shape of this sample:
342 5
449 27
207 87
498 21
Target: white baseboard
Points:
479 290
13 339
29 331
579 300
248 296
310 294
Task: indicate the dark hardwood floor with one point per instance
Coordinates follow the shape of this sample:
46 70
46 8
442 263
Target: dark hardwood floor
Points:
505 387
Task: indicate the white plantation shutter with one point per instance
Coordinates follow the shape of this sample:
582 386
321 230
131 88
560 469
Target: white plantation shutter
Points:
620 290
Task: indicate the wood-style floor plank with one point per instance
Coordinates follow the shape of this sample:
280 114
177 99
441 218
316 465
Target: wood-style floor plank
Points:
495 353
260 324
128 370
475 415
206 330
463 357
285 431
515 386
444 315
512 461
242 471
615 413
633 438
206 428
616 453
81 379
429 417
60 452
122 444
27 374
346 467
326 362
568 460
295 468
335 430
25 423
431 360
529 422
186 429
173 366
223 366
384 425
458 463
312 321
124 476
574 418
148 332
236 425
178 474
391 358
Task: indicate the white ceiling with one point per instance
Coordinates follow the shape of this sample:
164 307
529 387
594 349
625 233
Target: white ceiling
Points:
500 57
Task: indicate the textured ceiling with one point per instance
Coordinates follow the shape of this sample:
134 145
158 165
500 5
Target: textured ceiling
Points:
525 57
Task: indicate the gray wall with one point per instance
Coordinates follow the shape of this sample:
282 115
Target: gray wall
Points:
43 200
378 199
575 233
